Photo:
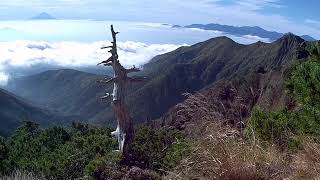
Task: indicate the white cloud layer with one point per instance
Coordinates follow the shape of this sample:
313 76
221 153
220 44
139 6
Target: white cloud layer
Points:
3 79
29 54
25 57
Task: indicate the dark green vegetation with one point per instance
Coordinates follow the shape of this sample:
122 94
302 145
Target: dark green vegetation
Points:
159 150
302 116
84 150
55 152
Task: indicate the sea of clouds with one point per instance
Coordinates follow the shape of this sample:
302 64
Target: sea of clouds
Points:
30 47
20 58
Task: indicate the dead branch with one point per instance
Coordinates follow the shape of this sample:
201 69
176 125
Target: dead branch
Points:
133 69
124 132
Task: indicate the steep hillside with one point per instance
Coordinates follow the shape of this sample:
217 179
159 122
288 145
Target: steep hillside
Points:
281 132
190 69
187 69
260 81
14 110
65 91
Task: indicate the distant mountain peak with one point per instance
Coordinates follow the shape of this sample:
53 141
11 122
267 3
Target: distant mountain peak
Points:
224 39
43 16
291 37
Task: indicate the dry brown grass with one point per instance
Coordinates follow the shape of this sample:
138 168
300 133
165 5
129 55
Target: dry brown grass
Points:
223 154
220 151
19 175
306 164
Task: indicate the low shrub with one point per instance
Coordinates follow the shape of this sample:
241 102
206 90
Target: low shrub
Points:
55 152
4 157
284 127
105 167
157 149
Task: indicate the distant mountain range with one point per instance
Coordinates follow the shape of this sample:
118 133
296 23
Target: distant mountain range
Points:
242 31
187 69
43 16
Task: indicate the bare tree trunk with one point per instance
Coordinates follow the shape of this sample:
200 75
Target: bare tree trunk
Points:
124 132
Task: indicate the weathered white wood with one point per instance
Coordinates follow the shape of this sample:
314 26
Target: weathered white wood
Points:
124 132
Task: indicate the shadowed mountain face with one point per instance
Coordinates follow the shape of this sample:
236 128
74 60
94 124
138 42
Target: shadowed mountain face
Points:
14 110
231 99
64 91
190 69
187 69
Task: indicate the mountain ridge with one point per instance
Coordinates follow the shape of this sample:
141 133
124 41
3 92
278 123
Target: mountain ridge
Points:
187 69
232 99
242 30
225 63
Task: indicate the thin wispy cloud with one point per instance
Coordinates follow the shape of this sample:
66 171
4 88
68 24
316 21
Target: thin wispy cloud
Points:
37 3
259 4
313 22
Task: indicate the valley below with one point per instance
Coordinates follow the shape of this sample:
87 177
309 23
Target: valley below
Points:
189 69
216 98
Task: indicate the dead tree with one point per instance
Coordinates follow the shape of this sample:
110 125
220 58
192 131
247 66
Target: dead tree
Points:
124 132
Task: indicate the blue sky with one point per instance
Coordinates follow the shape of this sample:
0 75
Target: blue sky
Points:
298 16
